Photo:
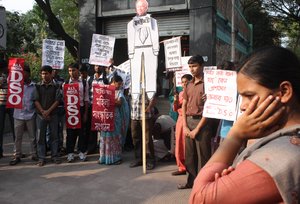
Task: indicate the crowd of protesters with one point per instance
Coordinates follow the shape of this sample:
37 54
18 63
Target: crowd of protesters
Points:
269 107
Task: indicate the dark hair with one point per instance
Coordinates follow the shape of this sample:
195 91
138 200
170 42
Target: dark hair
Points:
226 65
3 64
83 68
116 78
187 76
26 68
272 65
196 59
46 68
74 65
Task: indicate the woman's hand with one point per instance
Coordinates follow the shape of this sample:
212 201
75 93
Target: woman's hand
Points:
224 172
258 121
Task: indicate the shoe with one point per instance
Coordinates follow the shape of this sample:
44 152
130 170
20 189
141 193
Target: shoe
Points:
82 156
15 161
23 156
117 162
56 160
70 157
150 165
41 163
177 173
183 186
34 158
135 164
1 155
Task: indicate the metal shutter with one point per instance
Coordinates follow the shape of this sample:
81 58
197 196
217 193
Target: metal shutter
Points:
174 24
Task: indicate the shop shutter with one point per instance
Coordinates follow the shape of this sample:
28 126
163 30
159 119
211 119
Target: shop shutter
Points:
174 24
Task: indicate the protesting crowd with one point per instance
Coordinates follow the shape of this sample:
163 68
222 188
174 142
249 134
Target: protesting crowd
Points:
228 155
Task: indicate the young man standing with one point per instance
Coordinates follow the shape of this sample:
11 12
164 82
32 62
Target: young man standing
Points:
46 98
72 134
197 129
25 119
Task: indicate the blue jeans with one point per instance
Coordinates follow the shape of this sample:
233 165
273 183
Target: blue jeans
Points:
41 125
3 111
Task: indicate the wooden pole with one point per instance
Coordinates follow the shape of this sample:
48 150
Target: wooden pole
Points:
143 115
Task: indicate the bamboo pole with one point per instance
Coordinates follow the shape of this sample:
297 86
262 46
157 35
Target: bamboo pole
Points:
143 114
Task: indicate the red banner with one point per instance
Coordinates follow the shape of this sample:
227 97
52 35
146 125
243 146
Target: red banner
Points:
72 106
103 112
15 83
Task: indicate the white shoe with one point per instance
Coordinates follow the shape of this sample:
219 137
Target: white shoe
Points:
82 156
70 157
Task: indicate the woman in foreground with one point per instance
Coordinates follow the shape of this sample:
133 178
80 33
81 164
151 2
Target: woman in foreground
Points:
268 171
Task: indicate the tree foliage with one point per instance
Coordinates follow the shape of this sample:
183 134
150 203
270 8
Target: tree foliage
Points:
287 15
55 20
264 32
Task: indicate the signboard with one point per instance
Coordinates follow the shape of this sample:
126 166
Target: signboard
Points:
125 67
15 83
72 106
221 93
103 111
2 28
53 53
102 50
173 54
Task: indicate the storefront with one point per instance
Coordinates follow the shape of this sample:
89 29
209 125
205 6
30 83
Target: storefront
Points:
204 26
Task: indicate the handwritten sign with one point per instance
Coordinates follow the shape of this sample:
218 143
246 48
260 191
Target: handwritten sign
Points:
15 83
125 67
221 94
103 110
72 106
102 50
173 54
53 53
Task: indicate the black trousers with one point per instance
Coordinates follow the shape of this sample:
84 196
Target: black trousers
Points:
198 150
72 135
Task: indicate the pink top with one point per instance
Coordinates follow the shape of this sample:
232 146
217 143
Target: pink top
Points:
248 183
177 106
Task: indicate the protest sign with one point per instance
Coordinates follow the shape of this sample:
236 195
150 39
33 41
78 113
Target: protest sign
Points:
125 67
173 54
221 94
102 50
53 53
72 107
15 83
185 70
103 110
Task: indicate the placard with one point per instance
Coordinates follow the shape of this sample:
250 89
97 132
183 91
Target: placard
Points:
53 53
15 83
102 50
103 110
173 54
221 93
72 106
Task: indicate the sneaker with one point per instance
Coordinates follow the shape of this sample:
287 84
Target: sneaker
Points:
56 160
15 161
70 157
82 156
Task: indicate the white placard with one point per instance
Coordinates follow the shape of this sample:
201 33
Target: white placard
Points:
186 70
102 50
125 67
2 28
221 93
53 53
173 54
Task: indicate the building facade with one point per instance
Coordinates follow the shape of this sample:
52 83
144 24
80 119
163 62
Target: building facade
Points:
204 27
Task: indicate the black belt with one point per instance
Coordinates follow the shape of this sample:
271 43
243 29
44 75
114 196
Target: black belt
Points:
195 116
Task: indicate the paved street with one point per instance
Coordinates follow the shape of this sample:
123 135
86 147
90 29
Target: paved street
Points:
86 182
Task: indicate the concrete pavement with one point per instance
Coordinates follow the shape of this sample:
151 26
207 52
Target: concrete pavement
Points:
86 182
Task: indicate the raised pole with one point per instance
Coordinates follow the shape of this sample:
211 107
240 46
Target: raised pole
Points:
143 114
